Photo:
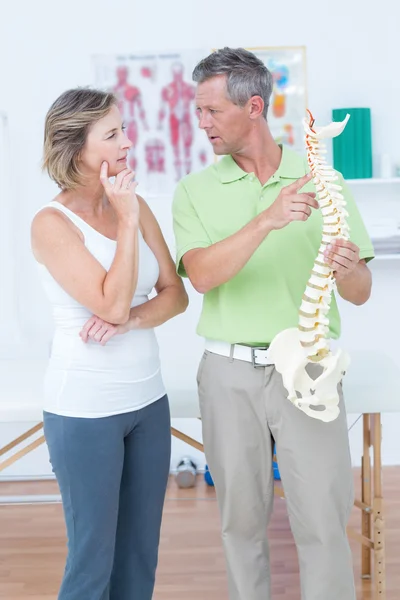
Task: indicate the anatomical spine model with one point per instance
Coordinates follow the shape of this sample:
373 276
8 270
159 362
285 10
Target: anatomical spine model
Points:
293 349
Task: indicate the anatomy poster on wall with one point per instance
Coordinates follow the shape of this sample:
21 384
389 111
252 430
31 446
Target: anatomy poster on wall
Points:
156 96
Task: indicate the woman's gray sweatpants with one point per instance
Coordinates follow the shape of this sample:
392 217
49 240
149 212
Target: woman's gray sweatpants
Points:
112 473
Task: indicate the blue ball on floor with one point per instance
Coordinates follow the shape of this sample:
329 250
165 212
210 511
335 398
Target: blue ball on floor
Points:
207 476
275 468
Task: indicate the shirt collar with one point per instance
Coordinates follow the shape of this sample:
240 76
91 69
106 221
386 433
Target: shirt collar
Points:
292 166
229 170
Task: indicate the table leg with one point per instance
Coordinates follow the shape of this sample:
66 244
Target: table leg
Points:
378 514
366 492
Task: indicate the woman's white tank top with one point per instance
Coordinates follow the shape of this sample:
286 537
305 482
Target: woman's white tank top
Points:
87 379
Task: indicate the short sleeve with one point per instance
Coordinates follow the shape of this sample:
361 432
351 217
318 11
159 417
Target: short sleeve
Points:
188 229
358 231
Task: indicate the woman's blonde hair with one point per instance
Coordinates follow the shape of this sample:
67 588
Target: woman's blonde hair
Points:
66 128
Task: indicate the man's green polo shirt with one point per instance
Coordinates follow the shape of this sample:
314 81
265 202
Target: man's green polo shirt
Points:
264 297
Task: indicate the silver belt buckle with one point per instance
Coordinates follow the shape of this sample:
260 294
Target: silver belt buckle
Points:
254 362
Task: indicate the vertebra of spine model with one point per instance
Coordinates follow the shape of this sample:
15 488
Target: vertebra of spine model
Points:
293 350
313 320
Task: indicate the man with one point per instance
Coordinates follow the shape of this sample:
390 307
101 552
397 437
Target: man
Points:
247 235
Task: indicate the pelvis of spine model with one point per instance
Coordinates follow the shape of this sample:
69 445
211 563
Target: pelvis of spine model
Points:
294 350
318 398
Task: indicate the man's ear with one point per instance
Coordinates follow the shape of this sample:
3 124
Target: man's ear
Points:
256 107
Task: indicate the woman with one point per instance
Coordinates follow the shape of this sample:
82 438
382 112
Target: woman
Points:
100 252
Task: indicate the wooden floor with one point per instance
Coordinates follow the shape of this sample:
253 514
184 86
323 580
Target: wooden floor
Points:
191 566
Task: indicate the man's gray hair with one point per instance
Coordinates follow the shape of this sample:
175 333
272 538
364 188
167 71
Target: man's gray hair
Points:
246 75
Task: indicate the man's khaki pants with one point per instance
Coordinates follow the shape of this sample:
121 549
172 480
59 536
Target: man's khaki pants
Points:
243 409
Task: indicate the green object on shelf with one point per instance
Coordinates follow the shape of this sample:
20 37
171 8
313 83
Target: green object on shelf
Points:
352 149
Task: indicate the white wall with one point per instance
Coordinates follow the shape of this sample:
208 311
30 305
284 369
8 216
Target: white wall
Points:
46 47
